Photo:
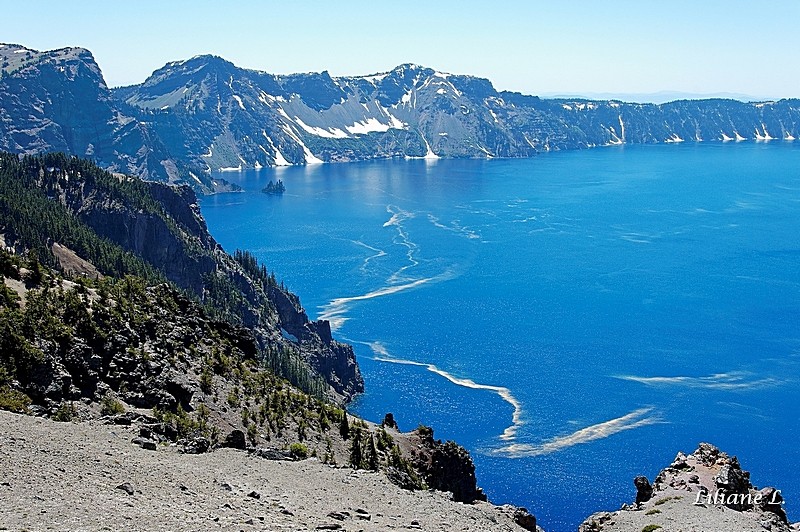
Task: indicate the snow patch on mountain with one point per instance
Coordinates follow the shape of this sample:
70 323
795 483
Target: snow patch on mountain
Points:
330 133
375 78
370 125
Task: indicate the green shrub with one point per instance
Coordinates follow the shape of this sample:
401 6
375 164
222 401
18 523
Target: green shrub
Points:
65 412
650 528
298 451
252 433
233 397
426 433
185 425
665 500
13 400
207 380
653 511
110 406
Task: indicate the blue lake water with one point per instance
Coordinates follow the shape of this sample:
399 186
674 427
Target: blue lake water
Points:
574 320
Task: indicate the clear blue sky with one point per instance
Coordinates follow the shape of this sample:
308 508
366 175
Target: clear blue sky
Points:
617 46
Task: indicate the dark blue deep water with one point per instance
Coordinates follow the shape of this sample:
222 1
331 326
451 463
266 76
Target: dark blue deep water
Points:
574 319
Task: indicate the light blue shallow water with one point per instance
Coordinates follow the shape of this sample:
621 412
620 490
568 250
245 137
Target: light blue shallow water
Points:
574 320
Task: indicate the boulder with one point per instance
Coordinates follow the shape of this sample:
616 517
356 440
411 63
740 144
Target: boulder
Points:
198 445
525 519
235 440
644 491
126 487
272 454
145 443
733 481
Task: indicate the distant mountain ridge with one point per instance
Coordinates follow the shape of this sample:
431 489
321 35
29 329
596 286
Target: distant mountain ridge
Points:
193 117
659 97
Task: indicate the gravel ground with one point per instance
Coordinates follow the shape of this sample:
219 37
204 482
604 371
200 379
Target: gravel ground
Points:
89 476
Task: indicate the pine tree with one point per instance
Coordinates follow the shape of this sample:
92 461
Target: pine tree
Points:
372 454
344 426
36 274
356 452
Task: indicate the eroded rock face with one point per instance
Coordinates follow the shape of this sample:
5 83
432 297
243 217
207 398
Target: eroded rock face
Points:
58 100
710 470
335 361
525 519
771 500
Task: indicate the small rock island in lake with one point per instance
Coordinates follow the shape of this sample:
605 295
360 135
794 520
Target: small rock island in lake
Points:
276 189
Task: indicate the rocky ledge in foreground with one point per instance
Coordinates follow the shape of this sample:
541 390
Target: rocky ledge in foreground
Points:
706 491
89 476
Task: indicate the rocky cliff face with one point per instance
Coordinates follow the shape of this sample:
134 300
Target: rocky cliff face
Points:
59 101
193 117
333 360
413 111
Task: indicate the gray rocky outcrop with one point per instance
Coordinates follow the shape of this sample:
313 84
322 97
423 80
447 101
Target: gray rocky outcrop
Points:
525 519
706 490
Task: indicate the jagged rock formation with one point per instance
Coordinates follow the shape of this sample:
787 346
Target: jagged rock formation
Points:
192 117
705 491
446 466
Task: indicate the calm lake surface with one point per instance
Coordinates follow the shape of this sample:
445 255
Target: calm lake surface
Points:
574 320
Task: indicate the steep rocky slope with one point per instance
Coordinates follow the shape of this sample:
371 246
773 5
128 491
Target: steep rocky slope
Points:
193 117
153 363
123 225
197 362
255 119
